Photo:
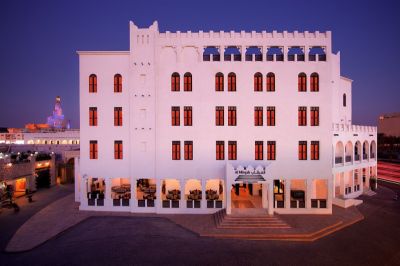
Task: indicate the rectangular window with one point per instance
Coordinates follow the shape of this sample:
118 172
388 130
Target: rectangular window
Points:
188 150
302 116
231 115
219 116
93 149
92 116
314 116
118 151
314 150
117 116
232 150
258 116
187 115
176 150
259 150
175 115
270 115
302 150
271 150
220 148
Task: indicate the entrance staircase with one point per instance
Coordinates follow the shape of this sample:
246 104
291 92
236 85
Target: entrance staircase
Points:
369 193
223 221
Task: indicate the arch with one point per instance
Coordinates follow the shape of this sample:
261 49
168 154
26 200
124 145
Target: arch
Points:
317 51
231 81
92 83
357 150
211 52
175 81
117 83
270 81
232 50
253 50
348 152
314 82
296 50
373 149
187 81
339 152
219 82
258 82
365 150
275 53
302 81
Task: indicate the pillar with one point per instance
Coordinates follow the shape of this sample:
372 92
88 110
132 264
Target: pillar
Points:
270 198
341 176
182 202
352 180
287 194
309 192
133 201
83 193
228 198
158 202
107 195
203 204
264 195
330 184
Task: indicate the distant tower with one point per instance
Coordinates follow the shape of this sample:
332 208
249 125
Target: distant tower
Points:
57 119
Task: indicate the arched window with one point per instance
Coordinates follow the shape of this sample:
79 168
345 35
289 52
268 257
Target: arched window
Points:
314 80
117 83
219 82
231 81
187 82
344 99
302 82
258 86
92 83
270 81
175 81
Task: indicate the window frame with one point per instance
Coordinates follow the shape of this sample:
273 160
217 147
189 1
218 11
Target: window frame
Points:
302 116
231 81
258 82
314 82
302 150
93 150
259 150
220 150
187 81
187 116
92 83
270 82
118 122
315 150
258 116
188 150
232 150
302 82
176 150
175 81
271 150
175 116
118 150
93 119
117 83
219 115
232 116
314 116
271 116
219 82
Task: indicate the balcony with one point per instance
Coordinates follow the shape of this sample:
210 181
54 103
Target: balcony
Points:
338 160
357 157
365 156
348 158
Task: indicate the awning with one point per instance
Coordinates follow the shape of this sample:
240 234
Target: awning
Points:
250 178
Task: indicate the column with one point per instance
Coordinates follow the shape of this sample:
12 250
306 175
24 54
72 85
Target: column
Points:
341 183
228 197
107 195
309 192
158 201
133 201
203 204
83 193
264 195
243 52
330 183
270 198
182 203
287 194
353 180
306 53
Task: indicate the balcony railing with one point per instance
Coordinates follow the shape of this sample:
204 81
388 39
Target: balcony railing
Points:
318 203
146 203
338 160
348 158
353 128
365 156
357 157
372 155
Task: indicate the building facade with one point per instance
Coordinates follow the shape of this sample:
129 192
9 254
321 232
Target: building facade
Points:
192 122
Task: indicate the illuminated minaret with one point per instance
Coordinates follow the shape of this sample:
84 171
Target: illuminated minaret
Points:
57 119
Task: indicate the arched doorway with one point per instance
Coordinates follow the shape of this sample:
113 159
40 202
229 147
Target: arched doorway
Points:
70 171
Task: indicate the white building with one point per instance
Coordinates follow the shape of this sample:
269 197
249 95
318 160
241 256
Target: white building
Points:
191 122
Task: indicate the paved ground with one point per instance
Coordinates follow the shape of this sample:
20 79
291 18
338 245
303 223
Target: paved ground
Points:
10 221
152 240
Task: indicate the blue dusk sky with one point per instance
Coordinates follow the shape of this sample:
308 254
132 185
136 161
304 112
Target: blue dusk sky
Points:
39 40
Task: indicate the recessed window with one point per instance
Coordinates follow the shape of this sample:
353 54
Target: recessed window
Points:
219 82
258 116
220 150
314 82
175 82
219 116
231 81
270 81
176 150
175 116
271 150
314 116
258 83
259 150
231 115
232 150
118 150
270 115
314 150
93 153
117 116
344 100
92 116
302 116
302 150
187 82
188 115
117 83
188 150
302 82
92 83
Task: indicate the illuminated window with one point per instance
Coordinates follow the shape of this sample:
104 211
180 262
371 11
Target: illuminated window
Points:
271 150
302 116
219 116
314 116
175 115
302 82
258 82
314 84
259 150
176 150
187 82
92 83
93 149
117 116
258 116
314 150
270 82
270 115
220 148
175 81
302 150
232 150
231 115
117 83
92 116
219 82
118 151
231 81
188 150
187 115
